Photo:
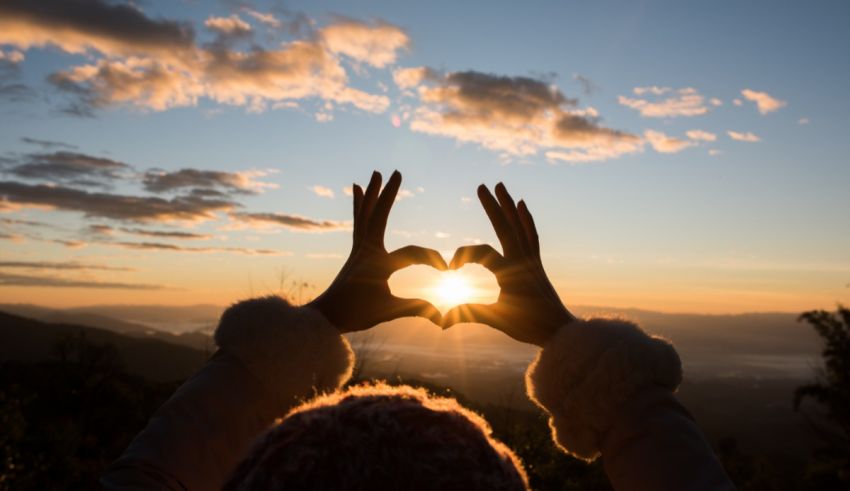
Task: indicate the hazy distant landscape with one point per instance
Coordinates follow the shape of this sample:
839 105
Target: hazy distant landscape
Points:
741 370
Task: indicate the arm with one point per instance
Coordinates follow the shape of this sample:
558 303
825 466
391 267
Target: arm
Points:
608 389
273 356
607 386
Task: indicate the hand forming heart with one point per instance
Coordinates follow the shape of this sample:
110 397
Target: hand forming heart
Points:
528 308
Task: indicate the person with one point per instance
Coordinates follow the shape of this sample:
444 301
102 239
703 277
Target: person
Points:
266 411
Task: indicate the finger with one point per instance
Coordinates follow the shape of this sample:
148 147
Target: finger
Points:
410 255
414 307
506 202
482 254
529 227
470 312
357 192
378 223
497 218
369 198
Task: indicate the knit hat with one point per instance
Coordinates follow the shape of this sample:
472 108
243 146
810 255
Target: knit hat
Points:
375 436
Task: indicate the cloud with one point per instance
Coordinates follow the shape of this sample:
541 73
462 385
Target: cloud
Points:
803 121
169 234
292 222
765 103
69 265
206 182
16 221
45 281
157 65
518 116
376 44
322 191
348 191
160 246
69 167
71 244
701 135
264 18
654 90
682 102
407 78
115 206
16 92
743 137
77 26
588 86
666 144
714 101
12 57
47 144
229 27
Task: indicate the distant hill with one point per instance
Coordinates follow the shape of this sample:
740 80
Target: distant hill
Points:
29 340
93 317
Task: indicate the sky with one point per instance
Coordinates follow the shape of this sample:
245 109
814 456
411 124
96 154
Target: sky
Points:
677 156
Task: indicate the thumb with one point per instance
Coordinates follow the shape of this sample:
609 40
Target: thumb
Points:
414 307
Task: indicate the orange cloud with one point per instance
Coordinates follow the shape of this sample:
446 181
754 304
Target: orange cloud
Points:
682 102
666 144
157 64
78 26
701 135
230 26
375 45
743 137
764 102
519 116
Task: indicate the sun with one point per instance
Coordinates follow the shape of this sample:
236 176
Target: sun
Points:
452 289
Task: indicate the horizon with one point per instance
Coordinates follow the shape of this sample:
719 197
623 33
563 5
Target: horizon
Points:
680 159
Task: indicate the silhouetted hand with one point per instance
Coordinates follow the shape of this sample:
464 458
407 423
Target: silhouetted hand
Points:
528 308
360 297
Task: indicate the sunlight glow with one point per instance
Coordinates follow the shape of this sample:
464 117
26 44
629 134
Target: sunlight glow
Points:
453 288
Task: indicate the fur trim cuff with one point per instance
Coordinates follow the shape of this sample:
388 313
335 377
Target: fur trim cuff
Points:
588 370
294 351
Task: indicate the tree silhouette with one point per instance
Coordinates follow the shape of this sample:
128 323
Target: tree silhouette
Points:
831 390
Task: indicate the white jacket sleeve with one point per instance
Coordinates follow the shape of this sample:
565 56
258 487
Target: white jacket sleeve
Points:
271 357
608 388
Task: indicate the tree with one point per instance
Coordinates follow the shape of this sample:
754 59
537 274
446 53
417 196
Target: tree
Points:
831 390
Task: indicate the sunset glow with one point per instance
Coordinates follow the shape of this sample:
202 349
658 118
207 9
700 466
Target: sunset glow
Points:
211 155
452 289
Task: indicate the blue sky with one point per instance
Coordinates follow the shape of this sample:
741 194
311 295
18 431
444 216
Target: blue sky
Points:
756 226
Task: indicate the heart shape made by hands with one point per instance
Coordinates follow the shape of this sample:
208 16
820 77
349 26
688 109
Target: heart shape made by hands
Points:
445 289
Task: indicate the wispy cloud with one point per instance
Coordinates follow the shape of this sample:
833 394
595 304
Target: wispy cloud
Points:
55 265
166 234
322 191
47 144
282 220
162 246
675 103
116 206
764 101
159 181
68 167
664 143
743 137
701 135
54 282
